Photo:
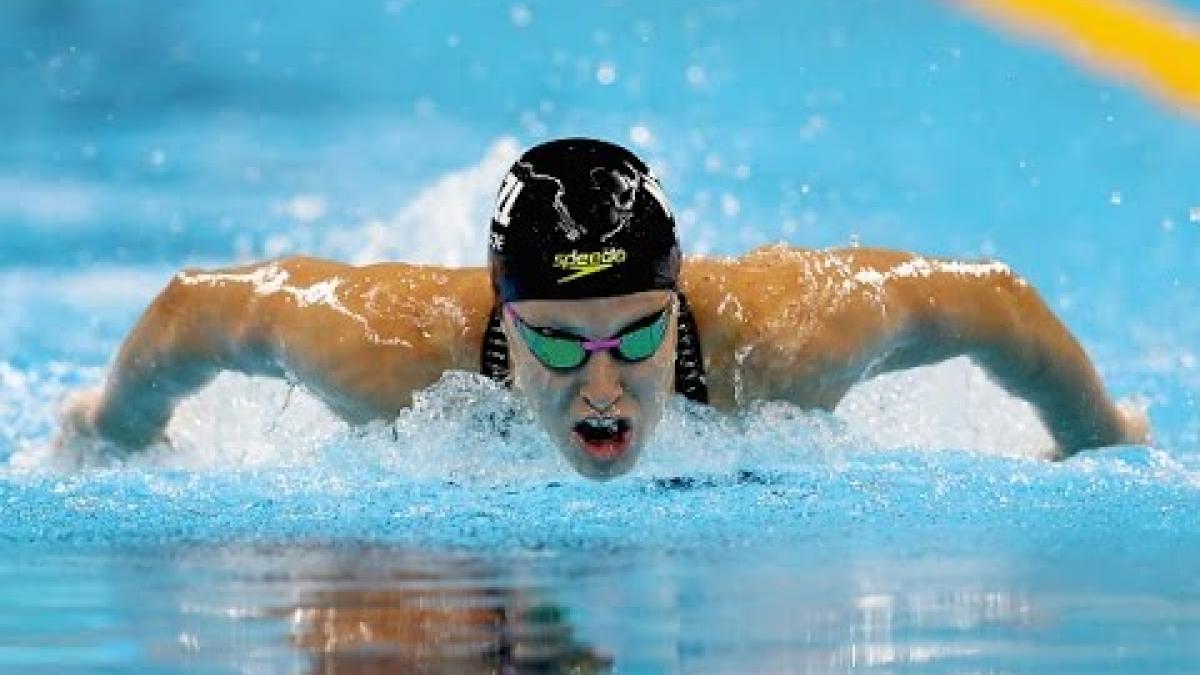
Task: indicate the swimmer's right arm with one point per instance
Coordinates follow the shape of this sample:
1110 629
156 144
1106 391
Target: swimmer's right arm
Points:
188 334
362 339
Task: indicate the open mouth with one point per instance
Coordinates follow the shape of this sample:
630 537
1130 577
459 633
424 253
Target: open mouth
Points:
604 437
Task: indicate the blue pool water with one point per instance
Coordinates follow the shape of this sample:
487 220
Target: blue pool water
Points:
913 529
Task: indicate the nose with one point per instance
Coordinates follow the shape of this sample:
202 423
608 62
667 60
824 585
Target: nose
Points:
601 383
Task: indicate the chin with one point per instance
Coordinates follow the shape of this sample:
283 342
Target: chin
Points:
602 471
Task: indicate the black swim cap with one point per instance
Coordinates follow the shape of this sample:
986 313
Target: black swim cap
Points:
581 218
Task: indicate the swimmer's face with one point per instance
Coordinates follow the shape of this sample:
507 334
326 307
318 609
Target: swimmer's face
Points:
601 413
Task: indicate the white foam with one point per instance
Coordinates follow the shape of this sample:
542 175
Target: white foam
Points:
486 436
950 405
445 224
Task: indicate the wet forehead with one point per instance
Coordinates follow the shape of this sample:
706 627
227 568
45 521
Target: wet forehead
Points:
594 317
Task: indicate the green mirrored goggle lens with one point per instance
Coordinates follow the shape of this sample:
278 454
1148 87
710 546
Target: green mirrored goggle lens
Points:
552 351
641 343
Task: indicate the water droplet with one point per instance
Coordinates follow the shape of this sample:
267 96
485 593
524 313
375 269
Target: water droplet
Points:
644 30
606 74
520 16
641 135
1115 198
305 207
696 76
730 205
158 158
1194 214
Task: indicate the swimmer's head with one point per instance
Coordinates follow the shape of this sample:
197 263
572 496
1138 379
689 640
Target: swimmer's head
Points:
579 218
584 261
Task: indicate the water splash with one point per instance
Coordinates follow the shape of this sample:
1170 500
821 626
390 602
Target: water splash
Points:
445 224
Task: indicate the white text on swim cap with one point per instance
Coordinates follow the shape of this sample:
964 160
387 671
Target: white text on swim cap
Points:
583 264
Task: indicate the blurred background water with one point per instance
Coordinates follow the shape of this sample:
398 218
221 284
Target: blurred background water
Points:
909 530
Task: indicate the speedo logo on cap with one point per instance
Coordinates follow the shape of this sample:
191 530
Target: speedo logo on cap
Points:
582 264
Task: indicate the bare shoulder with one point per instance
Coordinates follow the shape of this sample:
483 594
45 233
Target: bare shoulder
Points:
806 313
825 278
780 276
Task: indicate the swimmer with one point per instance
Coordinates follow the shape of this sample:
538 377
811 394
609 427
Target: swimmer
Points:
588 310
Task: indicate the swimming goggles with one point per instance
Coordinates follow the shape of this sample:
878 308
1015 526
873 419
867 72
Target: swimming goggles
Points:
560 350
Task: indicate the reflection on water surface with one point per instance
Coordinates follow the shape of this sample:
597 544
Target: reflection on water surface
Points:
814 608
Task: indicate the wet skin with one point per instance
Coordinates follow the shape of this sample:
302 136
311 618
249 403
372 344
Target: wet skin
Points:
604 386
779 323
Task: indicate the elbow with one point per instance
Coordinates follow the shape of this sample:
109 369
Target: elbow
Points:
992 315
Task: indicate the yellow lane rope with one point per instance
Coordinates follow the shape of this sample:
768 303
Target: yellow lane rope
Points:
1144 42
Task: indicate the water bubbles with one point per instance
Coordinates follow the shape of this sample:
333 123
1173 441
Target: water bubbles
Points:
306 207
520 16
1115 198
641 135
1194 214
813 127
606 74
730 206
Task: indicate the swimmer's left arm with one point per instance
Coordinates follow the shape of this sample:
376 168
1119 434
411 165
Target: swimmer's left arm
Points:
987 312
